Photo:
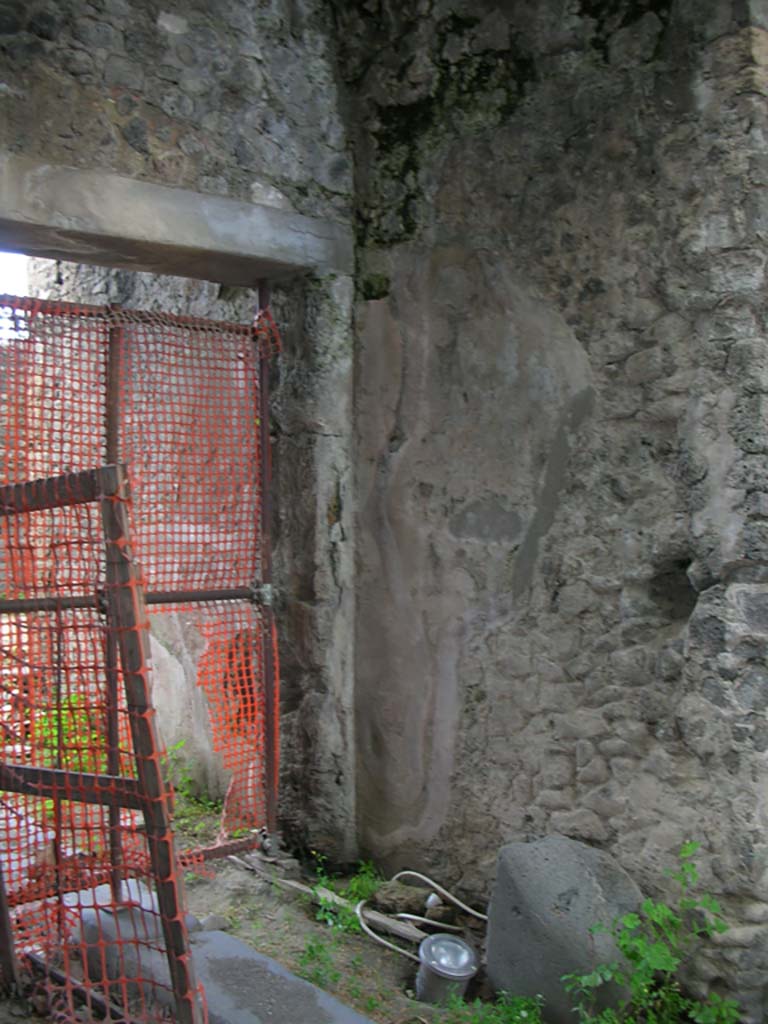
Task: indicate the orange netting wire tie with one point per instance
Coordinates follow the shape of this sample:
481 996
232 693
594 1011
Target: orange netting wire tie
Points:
141 626
262 594
267 333
121 543
32 308
113 499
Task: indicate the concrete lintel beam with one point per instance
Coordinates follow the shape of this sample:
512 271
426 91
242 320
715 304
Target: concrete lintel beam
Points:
89 216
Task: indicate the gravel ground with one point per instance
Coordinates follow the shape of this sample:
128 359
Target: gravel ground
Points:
13 1012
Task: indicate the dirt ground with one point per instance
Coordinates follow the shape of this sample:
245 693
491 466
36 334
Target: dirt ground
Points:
283 925
352 967
13 1012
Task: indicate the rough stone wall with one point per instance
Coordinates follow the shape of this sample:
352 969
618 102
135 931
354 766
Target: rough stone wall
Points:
561 439
561 467
231 98
237 99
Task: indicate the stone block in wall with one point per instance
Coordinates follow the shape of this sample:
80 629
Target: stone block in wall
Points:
547 896
752 603
646 365
581 823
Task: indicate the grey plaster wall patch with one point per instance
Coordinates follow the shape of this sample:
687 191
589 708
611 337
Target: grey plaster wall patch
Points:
487 518
579 409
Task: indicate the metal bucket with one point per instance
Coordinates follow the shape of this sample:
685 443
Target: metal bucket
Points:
447 965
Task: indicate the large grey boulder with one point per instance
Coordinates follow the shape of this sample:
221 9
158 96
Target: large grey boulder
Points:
547 896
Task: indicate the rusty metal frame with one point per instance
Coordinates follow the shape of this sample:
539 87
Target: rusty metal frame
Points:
135 316
111 439
84 788
52 604
9 968
125 609
271 723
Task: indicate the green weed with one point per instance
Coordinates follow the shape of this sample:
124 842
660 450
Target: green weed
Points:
361 886
654 943
355 989
372 1003
316 964
192 809
72 737
506 1009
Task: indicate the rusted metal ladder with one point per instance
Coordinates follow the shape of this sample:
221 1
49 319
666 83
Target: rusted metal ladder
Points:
123 603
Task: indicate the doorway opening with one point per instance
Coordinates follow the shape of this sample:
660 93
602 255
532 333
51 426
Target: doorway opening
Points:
182 403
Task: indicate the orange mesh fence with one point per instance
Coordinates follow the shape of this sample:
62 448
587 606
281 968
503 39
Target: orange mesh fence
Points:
230 663
178 401
188 417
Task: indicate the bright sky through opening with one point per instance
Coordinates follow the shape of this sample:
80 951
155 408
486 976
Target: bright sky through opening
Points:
13 274
13 281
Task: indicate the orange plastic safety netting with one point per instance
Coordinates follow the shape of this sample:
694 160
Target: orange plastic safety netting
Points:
190 427
178 400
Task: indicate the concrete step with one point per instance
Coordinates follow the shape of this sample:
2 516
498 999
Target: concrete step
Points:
244 987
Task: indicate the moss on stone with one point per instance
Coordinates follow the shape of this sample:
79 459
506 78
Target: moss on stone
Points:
471 94
375 286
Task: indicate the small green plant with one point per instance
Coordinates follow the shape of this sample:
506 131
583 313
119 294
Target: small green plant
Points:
654 943
361 886
176 769
316 964
372 1003
321 871
355 989
506 1009
192 809
334 915
71 735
